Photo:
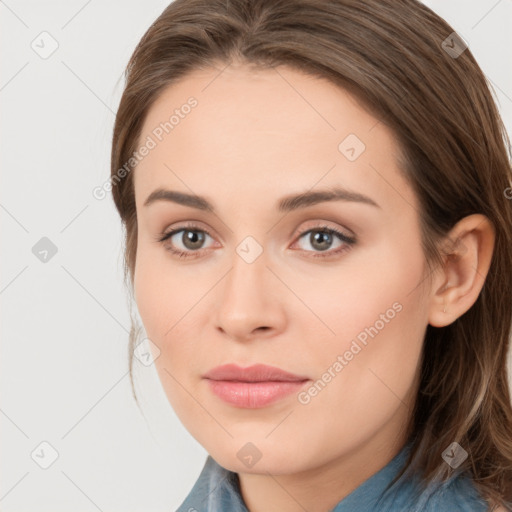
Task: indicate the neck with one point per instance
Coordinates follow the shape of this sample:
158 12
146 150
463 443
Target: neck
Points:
321 488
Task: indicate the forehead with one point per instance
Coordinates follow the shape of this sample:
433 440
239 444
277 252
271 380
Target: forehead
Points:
265 131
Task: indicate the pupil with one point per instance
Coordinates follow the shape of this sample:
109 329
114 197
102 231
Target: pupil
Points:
193 239
319 237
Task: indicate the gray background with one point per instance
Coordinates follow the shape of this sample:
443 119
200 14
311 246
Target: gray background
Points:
64 370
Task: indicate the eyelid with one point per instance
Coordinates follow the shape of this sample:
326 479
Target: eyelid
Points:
347 241
192 225
185 226
322 224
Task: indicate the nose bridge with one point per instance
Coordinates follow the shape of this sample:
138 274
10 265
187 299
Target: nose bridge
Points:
245 303
247 277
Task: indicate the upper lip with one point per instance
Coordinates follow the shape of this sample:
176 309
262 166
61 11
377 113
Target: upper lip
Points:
254 373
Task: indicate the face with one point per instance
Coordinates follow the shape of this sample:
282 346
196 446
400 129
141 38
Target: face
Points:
326 290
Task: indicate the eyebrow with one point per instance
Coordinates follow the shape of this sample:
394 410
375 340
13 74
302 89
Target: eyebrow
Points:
286 204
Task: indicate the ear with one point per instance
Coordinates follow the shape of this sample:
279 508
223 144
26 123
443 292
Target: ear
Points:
467 249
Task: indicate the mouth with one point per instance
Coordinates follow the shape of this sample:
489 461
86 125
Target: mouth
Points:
253 387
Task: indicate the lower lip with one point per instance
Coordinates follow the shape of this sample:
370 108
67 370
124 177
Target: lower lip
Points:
252 395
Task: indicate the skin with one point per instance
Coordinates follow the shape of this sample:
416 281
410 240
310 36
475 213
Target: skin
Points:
253 138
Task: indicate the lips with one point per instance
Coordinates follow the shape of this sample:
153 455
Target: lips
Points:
253 387
255 373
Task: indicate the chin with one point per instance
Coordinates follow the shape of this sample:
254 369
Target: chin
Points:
257 457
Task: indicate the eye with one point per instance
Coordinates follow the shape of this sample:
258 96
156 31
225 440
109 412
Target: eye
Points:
321 238
190 237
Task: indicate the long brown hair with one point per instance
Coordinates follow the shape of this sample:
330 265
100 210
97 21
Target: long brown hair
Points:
394 56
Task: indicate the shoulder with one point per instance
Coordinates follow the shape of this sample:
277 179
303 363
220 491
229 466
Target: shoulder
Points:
460 494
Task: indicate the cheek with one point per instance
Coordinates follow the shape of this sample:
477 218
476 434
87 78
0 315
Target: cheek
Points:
374 312
167 299
378 315
160 293
149 294
372 294
164 305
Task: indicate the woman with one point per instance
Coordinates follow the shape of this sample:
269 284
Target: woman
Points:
316 197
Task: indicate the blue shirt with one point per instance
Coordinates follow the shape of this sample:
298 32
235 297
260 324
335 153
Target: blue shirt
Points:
218 490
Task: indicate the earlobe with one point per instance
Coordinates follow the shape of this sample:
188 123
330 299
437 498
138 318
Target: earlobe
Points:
467 253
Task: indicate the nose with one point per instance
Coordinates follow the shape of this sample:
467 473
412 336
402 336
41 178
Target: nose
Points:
250 300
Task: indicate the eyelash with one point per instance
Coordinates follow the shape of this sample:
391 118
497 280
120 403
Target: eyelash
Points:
348 241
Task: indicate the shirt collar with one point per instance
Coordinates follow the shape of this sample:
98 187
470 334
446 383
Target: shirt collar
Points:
218 489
